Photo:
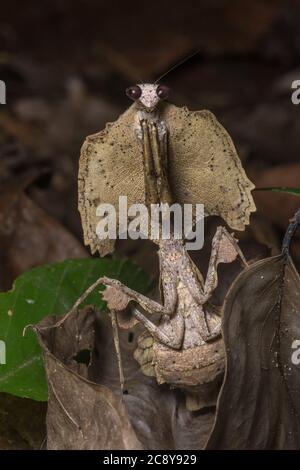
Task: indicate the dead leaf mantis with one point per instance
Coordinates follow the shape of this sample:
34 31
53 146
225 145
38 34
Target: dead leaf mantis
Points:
187 349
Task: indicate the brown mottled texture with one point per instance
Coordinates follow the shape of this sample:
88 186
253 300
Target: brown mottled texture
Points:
203 167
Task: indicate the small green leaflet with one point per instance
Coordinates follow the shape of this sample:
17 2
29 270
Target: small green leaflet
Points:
294 191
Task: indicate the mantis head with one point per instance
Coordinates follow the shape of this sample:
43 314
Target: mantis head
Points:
148 95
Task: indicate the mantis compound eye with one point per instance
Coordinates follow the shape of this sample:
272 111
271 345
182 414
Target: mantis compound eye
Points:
134 92
162 92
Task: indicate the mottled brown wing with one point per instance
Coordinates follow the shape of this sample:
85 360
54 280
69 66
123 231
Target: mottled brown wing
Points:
110 166
203 168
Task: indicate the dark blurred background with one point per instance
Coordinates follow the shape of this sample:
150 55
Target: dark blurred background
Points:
66 65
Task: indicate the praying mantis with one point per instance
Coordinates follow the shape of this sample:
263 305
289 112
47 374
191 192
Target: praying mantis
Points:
184 348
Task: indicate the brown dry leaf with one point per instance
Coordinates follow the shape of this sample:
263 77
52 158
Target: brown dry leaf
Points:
29 237
259 405
85 409
203 167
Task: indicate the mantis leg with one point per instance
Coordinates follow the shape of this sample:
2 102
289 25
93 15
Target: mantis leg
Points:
149 305
225 249
114 288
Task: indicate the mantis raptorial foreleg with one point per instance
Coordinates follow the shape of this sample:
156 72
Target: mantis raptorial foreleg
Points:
112 296
225 249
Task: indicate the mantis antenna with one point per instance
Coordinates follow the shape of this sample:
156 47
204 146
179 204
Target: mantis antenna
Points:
178 64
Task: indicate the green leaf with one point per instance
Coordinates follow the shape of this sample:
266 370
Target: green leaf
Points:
295 191
50 289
